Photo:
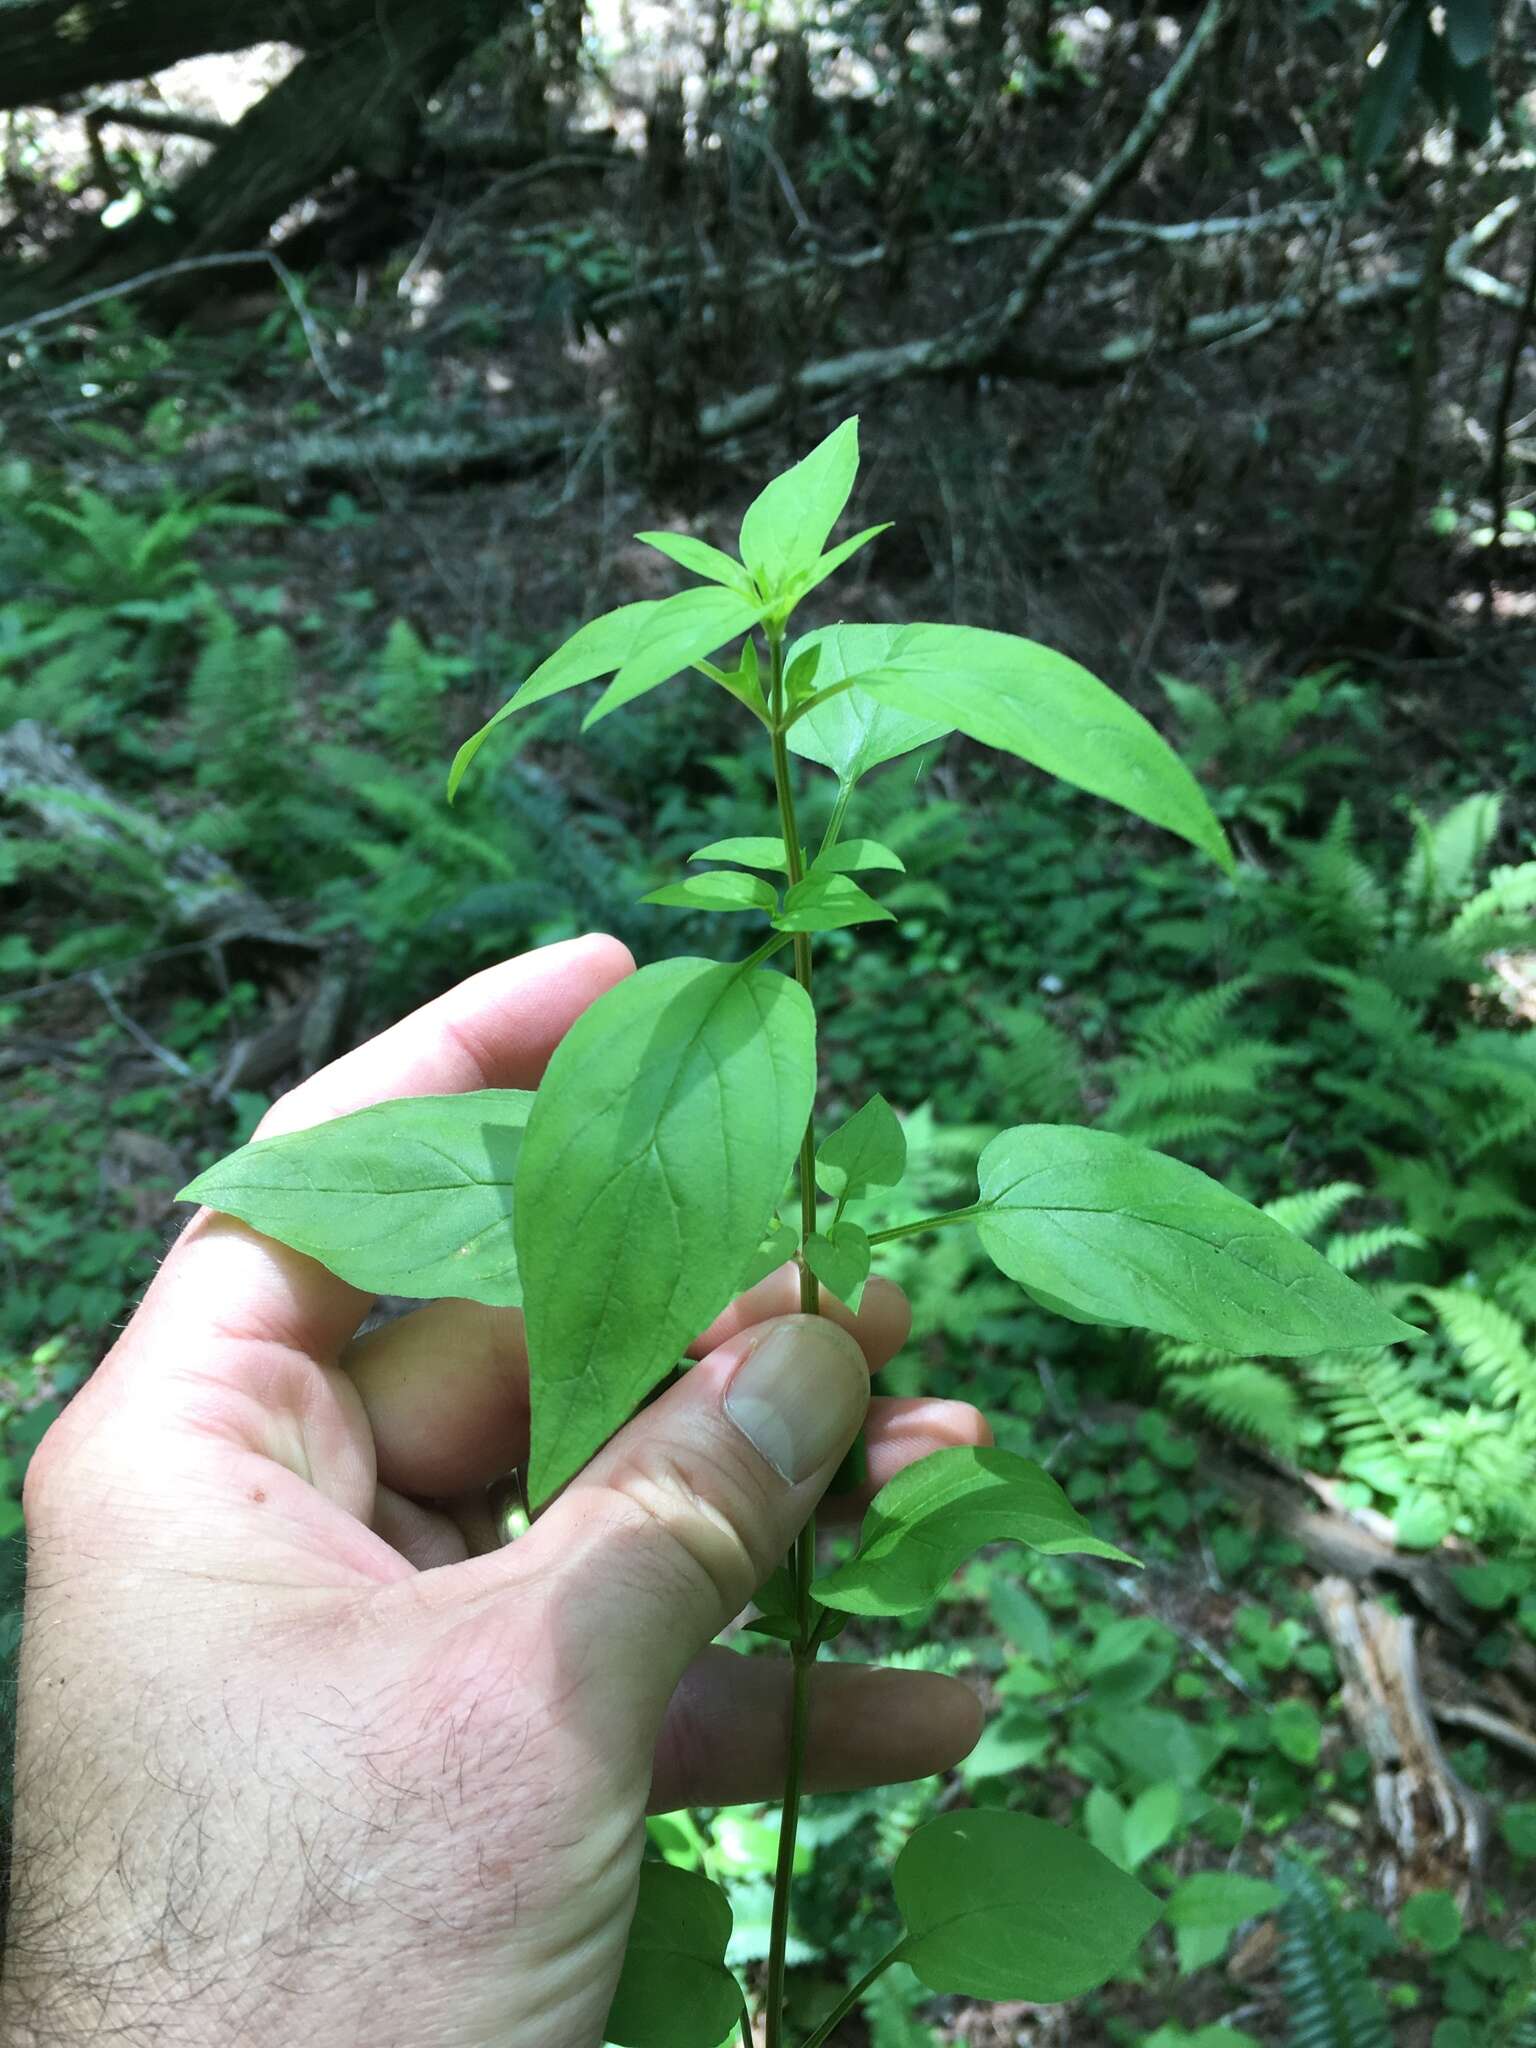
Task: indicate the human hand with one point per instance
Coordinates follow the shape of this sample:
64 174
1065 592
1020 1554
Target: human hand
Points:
301 1754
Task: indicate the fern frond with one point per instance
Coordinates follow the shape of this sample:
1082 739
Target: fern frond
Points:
1182 1026
1231 1075
1490 1342
1037 1068
1502 914
1178 1130
1339 901
1313 1209
1249 1399
1447 856
1330 2002
1352 1250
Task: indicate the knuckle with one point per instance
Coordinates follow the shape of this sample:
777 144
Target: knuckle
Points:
681 1497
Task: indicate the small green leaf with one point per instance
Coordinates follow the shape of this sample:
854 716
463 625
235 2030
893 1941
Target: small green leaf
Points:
674 1990
786 526
931 1517
1296 1732
699 557
840 1261
778 1245
852 856
747 853
1000 1905
829 563
827 903
744 681
800 673
1432 1921
1126 1235
1517 1824
680 631
1490 1586
1104 1825
409 1197
868 1151
724 890
1152 1821
1221 1900
596 650
659 1143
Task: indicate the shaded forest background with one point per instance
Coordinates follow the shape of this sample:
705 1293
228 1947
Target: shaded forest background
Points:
344 348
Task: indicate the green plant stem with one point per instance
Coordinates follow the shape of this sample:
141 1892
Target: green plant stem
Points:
746 2029
931 1223
850 1999
805 1647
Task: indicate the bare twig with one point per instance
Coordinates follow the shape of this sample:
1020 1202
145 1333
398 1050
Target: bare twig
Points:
161 121
1483 1722
137 1033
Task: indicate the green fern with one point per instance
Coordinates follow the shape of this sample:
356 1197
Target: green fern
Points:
1313 1209
1330 2002
1353 1250
1250 1400
1036 1071
1492 1344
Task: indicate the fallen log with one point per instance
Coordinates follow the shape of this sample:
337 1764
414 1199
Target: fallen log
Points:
198 892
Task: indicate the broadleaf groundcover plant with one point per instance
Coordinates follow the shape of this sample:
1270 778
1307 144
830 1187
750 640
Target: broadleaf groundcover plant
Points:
668 1130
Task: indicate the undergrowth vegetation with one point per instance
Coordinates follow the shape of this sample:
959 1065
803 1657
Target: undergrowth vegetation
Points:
1350 1016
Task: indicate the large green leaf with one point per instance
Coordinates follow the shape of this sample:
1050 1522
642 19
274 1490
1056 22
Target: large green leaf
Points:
659 1142
674 1990
786 526
932 1516
753 851
1121 1234
680 631
1000 1905
853 731
408 1197
1028 700
596 650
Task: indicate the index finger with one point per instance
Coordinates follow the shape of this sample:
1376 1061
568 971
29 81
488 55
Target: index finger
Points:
224 1285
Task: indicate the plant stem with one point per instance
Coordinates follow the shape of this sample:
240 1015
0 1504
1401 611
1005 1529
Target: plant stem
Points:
931 1223
803 1563
847 2003
746 2029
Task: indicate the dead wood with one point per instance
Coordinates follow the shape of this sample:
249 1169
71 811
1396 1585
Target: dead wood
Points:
1435 1826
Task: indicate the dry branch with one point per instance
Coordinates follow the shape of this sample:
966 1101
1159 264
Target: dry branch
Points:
1437 1826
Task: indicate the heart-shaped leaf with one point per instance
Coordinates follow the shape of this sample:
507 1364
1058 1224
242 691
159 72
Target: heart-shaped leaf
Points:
930 1517
840 1260
409 1197
1000 1905
868 1151
674 1990
658 1145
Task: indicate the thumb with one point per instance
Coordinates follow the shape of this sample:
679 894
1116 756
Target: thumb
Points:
676 1523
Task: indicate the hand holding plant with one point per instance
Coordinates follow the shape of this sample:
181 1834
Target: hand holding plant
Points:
300 1748
637 1191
